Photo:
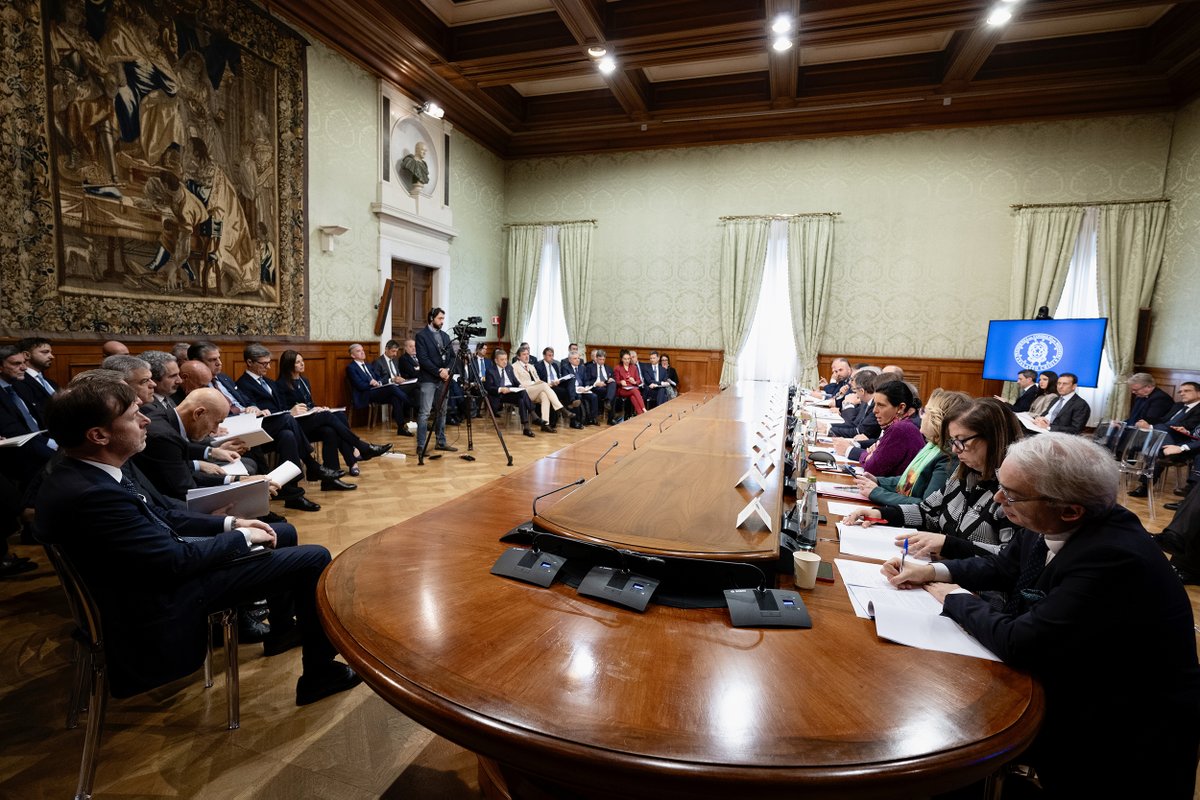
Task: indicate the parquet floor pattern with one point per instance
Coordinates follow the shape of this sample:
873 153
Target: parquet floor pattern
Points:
172 743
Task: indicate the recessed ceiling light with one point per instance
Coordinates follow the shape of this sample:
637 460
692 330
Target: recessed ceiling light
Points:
596 51
607 65
781 44
999 16
782 24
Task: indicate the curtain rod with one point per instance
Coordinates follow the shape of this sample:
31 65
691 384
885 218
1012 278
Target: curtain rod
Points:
554 222
1019 206
783 216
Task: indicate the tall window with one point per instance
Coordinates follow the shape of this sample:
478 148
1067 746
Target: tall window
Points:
1081 300
770 350
547 326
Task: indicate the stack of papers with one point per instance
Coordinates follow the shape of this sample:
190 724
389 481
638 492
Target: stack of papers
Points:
911 617
1027 420
842 509
17 441
847 491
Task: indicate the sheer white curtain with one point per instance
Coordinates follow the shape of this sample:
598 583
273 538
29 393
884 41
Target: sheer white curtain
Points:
770 350
547 325
1080 300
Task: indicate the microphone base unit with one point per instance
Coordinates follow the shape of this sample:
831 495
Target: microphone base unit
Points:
766 608
528 565
619 587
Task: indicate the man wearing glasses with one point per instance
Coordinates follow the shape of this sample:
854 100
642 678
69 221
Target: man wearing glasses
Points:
1095 613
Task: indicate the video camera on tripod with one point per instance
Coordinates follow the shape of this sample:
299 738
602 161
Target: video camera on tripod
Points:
466 328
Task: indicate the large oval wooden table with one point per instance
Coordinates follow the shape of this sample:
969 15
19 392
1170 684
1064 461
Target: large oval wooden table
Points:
565 696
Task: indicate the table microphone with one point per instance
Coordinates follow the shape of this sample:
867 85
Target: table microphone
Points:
664 421
601 458
552 491
643 430
766 608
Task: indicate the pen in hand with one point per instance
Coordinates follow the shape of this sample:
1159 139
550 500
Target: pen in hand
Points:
904 555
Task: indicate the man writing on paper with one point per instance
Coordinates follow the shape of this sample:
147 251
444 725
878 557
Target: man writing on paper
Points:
1094 613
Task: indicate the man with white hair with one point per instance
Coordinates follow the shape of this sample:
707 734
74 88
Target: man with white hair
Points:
1095 613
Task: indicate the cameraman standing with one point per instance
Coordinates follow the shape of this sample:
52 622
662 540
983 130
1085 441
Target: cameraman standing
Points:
436 359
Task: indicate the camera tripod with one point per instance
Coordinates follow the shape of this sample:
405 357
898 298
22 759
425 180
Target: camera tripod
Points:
472 386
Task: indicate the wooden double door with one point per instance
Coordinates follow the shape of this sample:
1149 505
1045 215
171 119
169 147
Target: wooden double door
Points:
412 297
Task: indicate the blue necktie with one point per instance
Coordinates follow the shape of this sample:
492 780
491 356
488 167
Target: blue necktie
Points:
30 422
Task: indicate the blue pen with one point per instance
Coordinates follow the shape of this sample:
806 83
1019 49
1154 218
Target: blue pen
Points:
905 554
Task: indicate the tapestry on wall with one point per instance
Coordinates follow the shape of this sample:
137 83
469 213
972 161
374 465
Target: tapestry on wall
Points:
160 169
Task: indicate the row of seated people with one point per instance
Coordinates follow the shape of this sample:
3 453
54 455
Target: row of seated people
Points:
545 392
1068 584
106 483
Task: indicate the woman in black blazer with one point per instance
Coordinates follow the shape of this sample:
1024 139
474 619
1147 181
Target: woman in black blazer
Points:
664 361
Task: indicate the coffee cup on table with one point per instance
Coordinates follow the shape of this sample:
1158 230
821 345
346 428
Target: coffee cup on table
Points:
806 564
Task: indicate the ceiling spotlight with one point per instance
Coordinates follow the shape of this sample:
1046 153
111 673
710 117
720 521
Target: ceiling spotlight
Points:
596 51
607 65
782 24
431 109
999 16
781 44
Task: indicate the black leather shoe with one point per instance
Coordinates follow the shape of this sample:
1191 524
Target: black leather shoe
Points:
15 565
528 433
373 451
449 448
276 643
334 485
548 428
321 473
301 503
577 425
1138 492
537 420
336 677
1173 506
403 432
271 516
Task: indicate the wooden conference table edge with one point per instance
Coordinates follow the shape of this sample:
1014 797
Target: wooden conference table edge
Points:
501 744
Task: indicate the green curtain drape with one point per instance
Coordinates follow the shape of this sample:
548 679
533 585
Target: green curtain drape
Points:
1045 243
810 275
743 256
524 261
575 265
1129 251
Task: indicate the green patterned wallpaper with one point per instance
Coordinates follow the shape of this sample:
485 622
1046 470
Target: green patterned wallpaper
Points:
343 165
922 249
1173 341
477 253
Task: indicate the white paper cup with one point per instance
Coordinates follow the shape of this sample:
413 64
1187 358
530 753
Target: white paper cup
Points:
806 564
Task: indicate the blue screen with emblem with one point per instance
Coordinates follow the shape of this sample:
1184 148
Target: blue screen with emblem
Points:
1058 345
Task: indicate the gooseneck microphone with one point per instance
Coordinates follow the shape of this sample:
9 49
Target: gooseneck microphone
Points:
552 491
664 421
649 425
601 458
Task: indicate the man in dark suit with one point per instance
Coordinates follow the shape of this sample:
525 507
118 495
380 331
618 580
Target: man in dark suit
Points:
654 387
20 415
597 375
367 386
502 386
1151 405
1070 412
39 357
860 423
1181 420
436 359
839 384
550 371
1095 613
387 366
1027 390
154 589
589 404
572 349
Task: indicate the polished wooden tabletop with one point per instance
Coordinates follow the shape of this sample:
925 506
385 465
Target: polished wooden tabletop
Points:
584 699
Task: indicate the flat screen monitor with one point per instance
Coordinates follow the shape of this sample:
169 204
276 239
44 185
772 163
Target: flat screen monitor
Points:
1058 345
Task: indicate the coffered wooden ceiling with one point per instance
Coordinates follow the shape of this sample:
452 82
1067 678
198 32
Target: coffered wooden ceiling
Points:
515 74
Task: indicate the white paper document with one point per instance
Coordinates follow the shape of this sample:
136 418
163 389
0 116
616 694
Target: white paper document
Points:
17 441
284 473
874 542
246 427
234 468
842 509
847 491
1027 420
245 499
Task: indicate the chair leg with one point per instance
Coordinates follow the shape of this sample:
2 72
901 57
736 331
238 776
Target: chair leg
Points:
232 687
1150 495
91 741
83 668
208 667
